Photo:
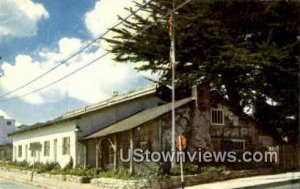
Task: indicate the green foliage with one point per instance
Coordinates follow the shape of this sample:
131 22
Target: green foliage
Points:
119 174
192 168
247 50
188 169
23 164
212 169
15 164
79 171
47 167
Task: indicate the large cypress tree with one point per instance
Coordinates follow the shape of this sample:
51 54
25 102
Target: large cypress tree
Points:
247 50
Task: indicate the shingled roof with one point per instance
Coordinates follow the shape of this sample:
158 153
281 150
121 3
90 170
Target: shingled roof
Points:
138 119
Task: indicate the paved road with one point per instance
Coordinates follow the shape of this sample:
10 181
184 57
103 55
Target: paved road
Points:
288 186
8 184
255 182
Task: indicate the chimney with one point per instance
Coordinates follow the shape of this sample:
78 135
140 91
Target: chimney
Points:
195 94
201 94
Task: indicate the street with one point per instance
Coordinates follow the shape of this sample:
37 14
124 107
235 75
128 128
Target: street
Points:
278 181
8 184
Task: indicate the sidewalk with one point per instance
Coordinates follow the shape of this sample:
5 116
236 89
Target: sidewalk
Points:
250 181
45 183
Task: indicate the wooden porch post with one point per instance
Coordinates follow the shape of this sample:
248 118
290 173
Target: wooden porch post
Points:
159 136
97 154
115 153
84 155
100 164
131 168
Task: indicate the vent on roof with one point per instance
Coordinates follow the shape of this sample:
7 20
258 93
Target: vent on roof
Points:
115 93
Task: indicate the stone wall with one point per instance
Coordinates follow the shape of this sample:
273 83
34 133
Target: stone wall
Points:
68 178
174 181
183 121
157 183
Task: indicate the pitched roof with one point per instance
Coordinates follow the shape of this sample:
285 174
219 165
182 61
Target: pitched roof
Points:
130 95
138 119
112 101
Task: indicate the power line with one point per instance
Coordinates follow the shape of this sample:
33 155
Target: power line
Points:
96 59
75 54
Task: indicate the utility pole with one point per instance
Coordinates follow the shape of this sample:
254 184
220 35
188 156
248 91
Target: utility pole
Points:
172 63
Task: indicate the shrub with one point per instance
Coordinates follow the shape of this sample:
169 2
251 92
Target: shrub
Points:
212 169
119 174
188 169
47 167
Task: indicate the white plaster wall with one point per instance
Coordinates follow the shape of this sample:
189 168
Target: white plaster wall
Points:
88 124
49 133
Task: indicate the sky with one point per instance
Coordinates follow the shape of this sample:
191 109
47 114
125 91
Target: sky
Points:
36 35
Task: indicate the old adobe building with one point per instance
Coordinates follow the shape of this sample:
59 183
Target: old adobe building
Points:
204 119
93 136
59 139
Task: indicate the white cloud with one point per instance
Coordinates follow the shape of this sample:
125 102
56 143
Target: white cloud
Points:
6 116
104 15
66 47
90 85
19 18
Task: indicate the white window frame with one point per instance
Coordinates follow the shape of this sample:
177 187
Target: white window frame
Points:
265 139
211 116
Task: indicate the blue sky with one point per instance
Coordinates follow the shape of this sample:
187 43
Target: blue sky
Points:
35 35
65 19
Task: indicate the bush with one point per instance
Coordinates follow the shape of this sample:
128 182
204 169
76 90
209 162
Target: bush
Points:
78 171
250 165
119 174
47 167
22 164
211 169
188 169
16 164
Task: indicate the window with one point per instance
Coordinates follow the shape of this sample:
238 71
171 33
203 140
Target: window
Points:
217 117
110 154
35 147
47 148
20 151
66 146
8 123
265 141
